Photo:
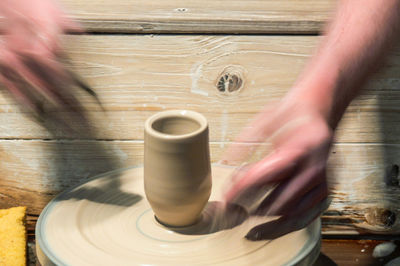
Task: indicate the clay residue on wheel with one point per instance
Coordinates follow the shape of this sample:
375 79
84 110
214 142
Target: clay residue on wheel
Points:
217 216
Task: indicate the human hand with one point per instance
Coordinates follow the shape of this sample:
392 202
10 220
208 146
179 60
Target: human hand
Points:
30 52
296 167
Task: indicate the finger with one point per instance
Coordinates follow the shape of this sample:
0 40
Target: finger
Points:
271 169
307 201
84 86
239 152
76 79
68 24
72 26
270 230
35 81
52 81
251 138
251 198
310 200
248 199
286 224
13 84
40 77
289 192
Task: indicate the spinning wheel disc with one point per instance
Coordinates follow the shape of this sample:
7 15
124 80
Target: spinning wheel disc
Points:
108 221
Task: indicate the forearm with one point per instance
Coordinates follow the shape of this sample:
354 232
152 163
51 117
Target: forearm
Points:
355 41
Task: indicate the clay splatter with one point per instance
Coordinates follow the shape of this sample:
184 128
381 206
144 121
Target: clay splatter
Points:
383 250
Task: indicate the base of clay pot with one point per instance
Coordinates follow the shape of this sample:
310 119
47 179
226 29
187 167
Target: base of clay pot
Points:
108 221
177 226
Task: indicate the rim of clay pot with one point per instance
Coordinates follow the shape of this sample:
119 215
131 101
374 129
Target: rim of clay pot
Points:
192 115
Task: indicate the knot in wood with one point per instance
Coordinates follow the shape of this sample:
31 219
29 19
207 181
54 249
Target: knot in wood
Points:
388 218
230 80
380 217
392 175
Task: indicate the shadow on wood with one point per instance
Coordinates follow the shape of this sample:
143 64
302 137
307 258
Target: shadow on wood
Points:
324 260
69 160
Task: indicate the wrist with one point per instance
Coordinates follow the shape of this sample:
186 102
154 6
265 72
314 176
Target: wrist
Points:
317 89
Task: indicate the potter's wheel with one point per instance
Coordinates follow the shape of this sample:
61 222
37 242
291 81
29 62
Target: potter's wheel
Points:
108 221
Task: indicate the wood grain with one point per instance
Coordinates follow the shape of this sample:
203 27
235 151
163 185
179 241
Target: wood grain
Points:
255 16
34 171
136 76
352 252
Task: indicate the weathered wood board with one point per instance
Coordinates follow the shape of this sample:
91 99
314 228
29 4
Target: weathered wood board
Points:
34 171
137 75
353 252
207 16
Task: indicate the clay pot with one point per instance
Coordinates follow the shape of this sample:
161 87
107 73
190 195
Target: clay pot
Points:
177 171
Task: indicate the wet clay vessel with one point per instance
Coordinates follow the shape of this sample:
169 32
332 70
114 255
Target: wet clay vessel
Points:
177 171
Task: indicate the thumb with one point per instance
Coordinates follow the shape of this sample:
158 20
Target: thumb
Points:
286 224
273 168
71 26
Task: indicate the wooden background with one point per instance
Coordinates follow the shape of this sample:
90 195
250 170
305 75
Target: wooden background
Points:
144 57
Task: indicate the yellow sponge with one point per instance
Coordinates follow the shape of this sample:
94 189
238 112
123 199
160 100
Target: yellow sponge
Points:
13 236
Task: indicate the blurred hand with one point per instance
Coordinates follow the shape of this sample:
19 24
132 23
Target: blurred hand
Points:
296 167
30 49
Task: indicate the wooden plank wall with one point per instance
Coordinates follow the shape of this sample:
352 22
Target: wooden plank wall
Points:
206 16
136 75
